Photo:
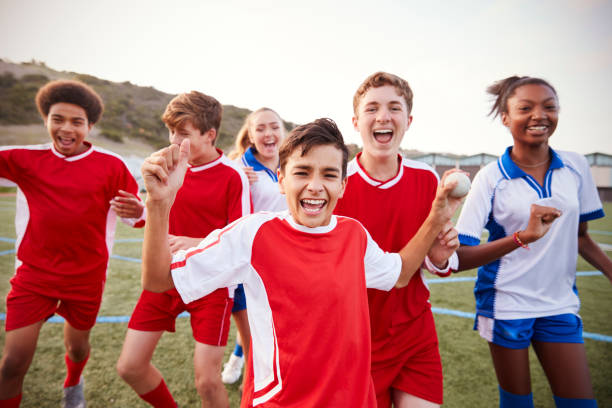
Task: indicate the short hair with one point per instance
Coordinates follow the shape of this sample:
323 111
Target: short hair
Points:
203 111
321 132
243 142
504 89
379 79
70 91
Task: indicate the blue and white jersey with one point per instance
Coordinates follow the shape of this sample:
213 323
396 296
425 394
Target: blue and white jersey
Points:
264 192
540 281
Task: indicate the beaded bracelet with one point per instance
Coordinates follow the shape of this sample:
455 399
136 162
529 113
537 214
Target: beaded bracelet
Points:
518 241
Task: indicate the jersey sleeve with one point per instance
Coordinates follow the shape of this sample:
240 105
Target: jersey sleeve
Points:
220 260
475 211
239 196
590 203
382 269
9 166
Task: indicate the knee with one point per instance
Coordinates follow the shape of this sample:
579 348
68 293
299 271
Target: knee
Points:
13 367
128 370
77 350
207 384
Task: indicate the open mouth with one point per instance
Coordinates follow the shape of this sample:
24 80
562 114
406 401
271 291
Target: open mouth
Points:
383 136
539 129
65 141
312 205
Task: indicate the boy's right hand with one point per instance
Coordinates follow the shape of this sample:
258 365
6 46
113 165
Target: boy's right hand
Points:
177 243
540 220
163 172
444 205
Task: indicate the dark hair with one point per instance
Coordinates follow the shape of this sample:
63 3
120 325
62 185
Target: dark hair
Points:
203 111
69 91
318 133
502 91
379 79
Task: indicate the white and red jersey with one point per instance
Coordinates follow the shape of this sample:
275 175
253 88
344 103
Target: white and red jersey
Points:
392 211
65 226
307 304
212 196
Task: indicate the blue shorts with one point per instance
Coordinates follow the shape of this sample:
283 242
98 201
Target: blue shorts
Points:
519 333
239 299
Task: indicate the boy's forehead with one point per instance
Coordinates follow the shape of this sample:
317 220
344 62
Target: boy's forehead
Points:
382 94
326 155
67 109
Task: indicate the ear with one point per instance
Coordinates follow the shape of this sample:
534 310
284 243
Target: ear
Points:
90 126
409 122
356 123
281 180
343 188
505 119
211 135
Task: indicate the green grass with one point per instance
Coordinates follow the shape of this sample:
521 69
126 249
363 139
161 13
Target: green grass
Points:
468 372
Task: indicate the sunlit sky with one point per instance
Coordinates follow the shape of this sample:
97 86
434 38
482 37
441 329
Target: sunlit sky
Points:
306 59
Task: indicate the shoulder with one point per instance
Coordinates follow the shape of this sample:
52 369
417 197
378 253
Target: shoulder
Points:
572 159
419 167
100 153
27 148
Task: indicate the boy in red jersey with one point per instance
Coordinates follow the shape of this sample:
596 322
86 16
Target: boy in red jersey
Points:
392 196
305 272
215 192
65 230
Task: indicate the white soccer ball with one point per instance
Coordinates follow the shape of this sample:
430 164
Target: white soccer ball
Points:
463 184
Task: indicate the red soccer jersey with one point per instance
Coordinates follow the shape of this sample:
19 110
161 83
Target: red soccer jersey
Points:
65 227
392 211
307 304
212 196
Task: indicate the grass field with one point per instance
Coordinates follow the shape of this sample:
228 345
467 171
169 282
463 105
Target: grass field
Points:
468 372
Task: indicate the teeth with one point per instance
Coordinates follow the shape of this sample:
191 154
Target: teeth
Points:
313 202
538 127
383 131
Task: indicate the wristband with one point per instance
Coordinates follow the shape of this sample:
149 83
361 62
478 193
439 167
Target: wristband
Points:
518 241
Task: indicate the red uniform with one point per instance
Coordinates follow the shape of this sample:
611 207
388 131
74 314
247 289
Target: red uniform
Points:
307 304
212 196
405 352
65 230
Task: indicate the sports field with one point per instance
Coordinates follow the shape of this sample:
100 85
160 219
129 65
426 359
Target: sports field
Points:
469 376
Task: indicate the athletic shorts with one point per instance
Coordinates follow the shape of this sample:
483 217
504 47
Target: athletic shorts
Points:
210 315
30 302
239 299
409 361
519 333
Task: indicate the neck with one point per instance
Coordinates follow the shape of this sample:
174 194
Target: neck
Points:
379 167
271 163
205 158
530 155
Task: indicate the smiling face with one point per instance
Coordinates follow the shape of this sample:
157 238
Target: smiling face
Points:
532 114
382 119
313 184
266 133
68 126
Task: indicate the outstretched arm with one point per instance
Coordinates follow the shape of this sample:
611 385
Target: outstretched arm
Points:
592 253
540 221
442 209
163 174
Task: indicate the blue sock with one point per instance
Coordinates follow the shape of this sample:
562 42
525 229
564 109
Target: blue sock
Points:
574 402
509 400
238 350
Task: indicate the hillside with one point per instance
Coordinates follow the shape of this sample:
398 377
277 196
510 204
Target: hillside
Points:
131 117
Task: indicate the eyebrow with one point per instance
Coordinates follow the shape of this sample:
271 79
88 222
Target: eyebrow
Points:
545 100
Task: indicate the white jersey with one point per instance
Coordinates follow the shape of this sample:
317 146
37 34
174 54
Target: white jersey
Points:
540 281
264 192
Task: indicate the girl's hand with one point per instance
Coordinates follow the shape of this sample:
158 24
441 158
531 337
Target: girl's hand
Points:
540 221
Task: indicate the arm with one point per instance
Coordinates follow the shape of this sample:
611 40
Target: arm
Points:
163 174
177 242
442 209
444 246
592 253
540 221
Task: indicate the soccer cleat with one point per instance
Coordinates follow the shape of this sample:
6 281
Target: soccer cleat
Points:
74 396
232 369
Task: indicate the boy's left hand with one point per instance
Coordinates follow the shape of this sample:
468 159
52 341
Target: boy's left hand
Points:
444 246
127 205
443 205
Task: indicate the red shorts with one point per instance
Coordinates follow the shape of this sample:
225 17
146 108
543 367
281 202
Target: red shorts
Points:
409 360
30 302
210 315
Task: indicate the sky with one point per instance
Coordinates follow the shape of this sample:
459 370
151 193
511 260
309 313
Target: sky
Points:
305 59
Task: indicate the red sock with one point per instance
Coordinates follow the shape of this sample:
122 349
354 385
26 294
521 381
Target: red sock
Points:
160 396
11 402
74 371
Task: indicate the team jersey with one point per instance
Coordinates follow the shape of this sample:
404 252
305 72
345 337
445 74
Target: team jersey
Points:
307 311
392 211
212 196
542 281
65 226
264 192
